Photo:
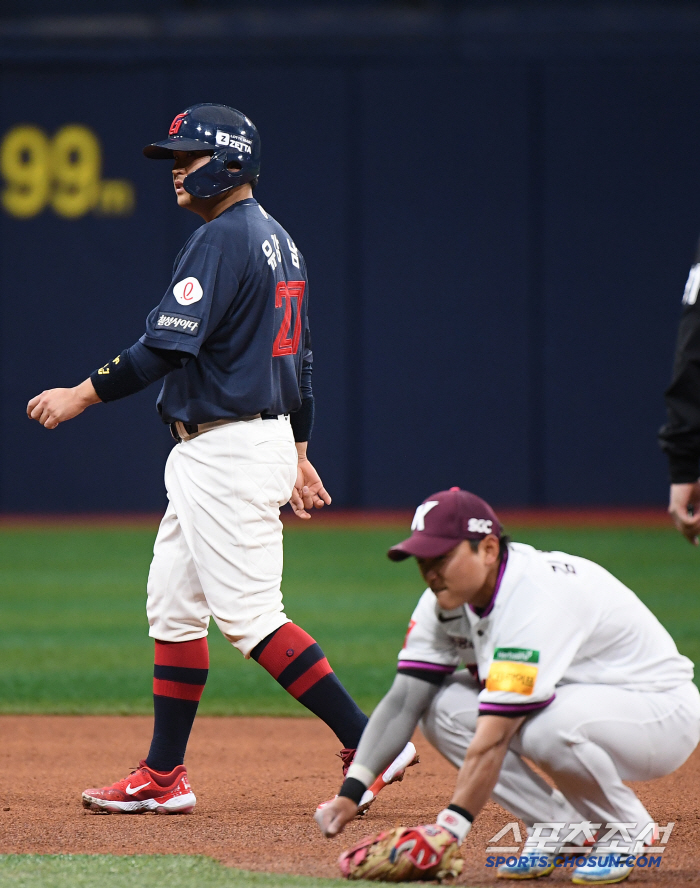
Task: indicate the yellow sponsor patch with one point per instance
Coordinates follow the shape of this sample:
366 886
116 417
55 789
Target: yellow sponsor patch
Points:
515 678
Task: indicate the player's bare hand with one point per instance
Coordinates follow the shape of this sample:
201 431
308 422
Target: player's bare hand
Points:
58 405
684 509
333 816
309 492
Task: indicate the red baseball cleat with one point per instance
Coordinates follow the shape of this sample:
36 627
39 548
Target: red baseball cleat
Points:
393 774
407 758
346 756
144 790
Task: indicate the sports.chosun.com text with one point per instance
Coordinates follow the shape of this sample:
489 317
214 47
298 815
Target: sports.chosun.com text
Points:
581 844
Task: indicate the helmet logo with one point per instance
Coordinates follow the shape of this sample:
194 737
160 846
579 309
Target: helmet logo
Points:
176 124
231 141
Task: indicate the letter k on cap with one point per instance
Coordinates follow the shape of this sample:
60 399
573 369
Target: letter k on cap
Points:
418 522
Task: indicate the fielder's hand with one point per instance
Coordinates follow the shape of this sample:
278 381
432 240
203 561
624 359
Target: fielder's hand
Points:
684 509
420 853
55 406
309 492
333 816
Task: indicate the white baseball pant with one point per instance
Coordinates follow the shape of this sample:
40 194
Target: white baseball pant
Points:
450 723
218 552
589 739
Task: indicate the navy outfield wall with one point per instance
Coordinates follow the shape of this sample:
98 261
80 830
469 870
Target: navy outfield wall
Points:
497 250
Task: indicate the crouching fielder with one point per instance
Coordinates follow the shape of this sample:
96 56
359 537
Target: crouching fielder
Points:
565 666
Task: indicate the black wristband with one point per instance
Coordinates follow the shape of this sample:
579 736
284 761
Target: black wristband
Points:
117 379
302 420
135 369
352 788
462 811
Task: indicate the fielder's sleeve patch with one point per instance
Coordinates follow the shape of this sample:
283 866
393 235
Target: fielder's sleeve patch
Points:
513 670
179 323
188 291
517 655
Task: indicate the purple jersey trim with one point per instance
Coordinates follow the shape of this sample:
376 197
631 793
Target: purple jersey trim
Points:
501 571
513 708
430 667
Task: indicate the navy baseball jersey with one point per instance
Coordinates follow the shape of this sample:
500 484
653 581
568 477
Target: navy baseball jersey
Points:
238 305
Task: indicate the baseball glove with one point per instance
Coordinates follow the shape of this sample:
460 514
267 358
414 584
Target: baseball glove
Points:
404 855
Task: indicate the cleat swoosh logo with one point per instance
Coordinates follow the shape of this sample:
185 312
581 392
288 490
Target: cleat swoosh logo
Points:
132 791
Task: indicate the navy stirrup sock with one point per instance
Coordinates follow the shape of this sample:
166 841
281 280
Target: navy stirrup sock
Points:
179 676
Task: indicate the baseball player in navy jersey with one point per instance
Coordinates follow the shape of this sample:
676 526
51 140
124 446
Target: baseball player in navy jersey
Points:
565 666
231 340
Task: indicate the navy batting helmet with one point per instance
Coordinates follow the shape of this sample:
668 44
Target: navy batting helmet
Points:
227 133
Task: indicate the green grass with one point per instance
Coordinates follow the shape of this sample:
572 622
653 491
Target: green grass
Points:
74 637
75 870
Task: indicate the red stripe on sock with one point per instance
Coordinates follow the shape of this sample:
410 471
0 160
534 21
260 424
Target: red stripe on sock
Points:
177 689
309 678
191 654
283 648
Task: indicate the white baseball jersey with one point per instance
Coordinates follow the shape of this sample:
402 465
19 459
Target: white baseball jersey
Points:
555 619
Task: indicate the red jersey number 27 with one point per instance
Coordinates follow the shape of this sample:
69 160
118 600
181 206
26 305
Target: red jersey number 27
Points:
285 292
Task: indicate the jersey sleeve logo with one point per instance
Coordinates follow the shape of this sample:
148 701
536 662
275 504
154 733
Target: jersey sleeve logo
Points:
513 671
188 291
181 323
519 655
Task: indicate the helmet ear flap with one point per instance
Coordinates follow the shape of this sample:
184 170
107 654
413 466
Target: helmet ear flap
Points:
214 177
205 181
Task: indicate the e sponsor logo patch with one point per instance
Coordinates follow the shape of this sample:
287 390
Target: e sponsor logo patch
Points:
514 678
188 291
513 671
519 655
180 323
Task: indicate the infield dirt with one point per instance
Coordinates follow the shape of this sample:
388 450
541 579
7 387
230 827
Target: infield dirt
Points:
258 781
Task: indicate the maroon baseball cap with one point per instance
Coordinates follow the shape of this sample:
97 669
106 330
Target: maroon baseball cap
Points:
443 520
